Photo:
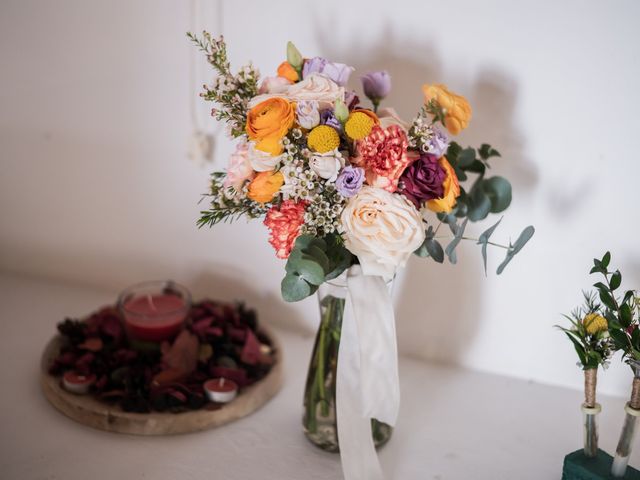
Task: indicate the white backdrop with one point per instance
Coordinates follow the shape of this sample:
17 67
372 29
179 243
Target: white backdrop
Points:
95 185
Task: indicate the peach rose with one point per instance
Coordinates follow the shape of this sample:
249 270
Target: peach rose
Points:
264 186
388 117
457 111
274 85
287 71
268 122
451 190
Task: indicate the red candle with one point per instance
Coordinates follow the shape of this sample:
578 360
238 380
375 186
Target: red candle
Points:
154 312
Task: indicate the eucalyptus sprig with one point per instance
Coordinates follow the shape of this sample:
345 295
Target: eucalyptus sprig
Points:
312 262
621 311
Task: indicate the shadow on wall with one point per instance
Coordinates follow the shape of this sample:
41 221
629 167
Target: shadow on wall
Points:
226 285
432 321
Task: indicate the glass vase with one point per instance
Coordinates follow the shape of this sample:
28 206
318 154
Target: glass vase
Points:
319 420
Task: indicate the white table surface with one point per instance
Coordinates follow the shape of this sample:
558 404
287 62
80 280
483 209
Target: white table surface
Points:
454 424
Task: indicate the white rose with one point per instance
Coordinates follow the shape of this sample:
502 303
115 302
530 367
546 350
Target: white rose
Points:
327 165
316 87
262 161
382 229
388 116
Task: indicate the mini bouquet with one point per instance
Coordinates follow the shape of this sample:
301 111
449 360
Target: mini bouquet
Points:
607 323
347 187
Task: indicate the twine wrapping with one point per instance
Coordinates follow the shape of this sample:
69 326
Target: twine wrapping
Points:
590 380
635 394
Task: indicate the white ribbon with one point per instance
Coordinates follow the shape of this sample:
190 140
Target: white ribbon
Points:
367 384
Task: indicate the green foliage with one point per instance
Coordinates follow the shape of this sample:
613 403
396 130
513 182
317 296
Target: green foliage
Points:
622 313
514 248
483 240
594 349
487 195
312 262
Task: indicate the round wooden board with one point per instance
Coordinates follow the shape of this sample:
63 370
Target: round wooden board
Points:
94 413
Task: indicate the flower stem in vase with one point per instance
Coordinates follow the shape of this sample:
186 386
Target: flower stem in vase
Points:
590 409
632 409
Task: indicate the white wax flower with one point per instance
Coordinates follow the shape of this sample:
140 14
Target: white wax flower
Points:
382 229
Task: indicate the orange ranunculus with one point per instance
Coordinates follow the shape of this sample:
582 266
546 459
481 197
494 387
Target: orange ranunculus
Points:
287 71
268 122
451 190
264 186
457 111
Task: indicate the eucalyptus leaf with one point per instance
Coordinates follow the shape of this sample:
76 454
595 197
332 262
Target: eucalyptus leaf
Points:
319 255
486 151
435 250
483 240
480 205
524 237
451 248
498 189
294 288
466 157
310 270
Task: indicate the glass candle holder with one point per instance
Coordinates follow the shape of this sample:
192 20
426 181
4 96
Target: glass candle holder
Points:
154 311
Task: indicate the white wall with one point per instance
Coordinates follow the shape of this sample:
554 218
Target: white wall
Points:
95 185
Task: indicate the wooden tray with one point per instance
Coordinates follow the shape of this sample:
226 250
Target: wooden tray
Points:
94 413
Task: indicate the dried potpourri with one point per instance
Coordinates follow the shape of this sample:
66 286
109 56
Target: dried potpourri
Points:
219 340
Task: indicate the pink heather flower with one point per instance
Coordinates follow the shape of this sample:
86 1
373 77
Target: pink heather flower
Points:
284 223
239 169
383 155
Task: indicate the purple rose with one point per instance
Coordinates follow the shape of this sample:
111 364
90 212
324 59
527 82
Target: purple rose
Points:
327 117
439 143
423 180
338 72
350 181
376 85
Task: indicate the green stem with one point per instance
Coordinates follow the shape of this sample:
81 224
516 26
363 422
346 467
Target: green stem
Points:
449 237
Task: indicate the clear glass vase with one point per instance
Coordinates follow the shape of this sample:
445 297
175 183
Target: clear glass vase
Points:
319 419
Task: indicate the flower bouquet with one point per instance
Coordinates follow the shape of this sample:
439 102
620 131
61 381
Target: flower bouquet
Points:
348 193
607 323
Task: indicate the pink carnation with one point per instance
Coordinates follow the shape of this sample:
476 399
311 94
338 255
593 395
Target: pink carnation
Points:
383 155
285 222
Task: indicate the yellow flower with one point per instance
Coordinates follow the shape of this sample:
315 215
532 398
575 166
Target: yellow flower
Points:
359 125
456 109
451 190
264 186
268 122
323 139
595 323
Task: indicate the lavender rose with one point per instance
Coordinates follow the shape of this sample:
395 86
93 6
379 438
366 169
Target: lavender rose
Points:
350 181
307 113
376 85
423 180
338 72
439 143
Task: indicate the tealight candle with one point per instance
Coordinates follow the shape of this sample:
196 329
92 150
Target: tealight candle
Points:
76 383
221 390
154 311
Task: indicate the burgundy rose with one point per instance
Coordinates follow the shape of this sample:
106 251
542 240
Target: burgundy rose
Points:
423 180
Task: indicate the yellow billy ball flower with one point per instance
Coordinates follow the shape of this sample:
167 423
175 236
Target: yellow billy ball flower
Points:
358 125
594 323
323 139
